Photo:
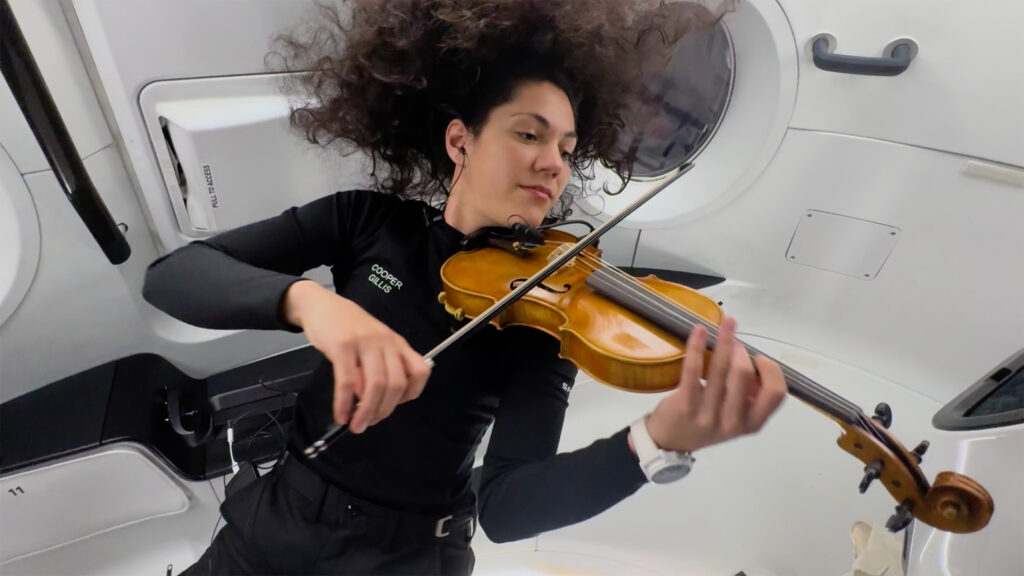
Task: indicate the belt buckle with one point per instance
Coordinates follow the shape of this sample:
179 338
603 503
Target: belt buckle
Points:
439 530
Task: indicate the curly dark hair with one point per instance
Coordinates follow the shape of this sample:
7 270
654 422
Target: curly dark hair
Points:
387 76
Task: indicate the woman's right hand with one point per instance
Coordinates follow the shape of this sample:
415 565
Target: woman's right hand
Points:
371 362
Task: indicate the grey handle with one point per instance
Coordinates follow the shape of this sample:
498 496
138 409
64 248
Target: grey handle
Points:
895 61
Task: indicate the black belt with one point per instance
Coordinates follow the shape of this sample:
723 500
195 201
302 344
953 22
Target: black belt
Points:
338 503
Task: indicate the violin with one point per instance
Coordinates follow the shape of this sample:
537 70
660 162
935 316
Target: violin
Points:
630 333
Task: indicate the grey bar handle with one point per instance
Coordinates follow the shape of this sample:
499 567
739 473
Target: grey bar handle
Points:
896 60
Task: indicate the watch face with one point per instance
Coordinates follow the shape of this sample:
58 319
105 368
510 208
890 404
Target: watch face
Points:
670 473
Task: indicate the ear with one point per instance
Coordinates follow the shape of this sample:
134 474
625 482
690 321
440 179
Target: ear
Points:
456 139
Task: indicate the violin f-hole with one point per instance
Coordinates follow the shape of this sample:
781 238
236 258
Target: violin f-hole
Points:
565 287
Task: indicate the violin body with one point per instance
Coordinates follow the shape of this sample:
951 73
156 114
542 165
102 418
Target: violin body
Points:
604 339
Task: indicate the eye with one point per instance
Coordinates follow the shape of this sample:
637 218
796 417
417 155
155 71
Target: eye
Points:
567 155
528 136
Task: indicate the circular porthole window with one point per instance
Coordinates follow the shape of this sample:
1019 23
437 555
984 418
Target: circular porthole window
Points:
687 101
723 102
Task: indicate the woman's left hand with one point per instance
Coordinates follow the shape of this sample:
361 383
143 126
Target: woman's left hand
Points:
737 400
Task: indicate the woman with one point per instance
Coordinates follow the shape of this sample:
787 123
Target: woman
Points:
487 108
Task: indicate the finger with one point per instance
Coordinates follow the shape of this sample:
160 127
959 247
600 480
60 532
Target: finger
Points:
397 381
772 393
374 377
719 366
735 406
753 387
346 376
418 370
693 369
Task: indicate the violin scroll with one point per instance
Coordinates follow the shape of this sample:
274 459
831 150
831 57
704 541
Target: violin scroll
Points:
962 504
954 502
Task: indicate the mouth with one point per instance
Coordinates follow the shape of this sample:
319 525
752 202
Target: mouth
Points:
539 191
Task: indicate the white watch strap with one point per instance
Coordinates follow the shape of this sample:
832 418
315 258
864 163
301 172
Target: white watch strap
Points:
646 450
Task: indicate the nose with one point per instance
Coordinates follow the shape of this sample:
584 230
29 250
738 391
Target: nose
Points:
549 160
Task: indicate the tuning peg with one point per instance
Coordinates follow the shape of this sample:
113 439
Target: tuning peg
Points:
919 451
871 473
901 519
883 414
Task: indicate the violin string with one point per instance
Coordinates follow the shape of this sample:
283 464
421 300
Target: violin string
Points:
644 293
639 290
669 308
672 310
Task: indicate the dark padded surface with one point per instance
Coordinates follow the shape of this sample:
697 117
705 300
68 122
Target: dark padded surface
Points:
688 279
125 400
58 419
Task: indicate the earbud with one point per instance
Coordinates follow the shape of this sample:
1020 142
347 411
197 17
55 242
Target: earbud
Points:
462 150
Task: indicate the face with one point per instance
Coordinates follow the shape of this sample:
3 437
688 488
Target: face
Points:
517 165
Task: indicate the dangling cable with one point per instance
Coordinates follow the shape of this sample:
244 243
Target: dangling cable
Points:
589 226
231 447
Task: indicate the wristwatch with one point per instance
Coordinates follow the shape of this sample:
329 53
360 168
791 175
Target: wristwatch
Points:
660 466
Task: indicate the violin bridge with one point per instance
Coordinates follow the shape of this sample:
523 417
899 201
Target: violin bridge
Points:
557 253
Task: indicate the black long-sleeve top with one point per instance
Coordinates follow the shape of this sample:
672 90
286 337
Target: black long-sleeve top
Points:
385 254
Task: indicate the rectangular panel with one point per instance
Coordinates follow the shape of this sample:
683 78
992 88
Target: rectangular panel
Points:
842 244
227 156
133 45
58 504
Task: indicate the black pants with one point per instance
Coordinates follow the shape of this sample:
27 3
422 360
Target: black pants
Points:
290 521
